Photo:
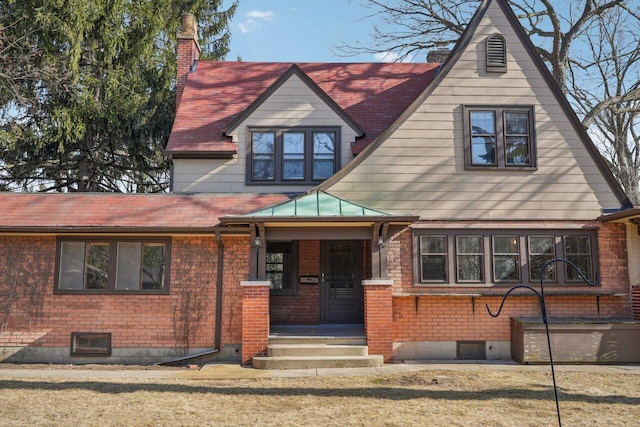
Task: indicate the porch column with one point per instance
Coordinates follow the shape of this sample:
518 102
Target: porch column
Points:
378 317
255 318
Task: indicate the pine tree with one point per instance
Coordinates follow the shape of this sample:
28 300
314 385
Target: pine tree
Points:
90 98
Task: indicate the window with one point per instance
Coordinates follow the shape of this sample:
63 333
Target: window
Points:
470 253
499 137
542 249
506 258
577 249
106 265
433 256
281 267
295 155
489 257
90 344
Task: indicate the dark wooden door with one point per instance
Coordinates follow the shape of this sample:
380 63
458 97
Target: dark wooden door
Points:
342 295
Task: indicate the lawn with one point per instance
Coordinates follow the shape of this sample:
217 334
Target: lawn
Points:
427 398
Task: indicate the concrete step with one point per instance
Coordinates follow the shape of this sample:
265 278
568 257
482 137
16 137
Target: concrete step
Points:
313 362
291 350
313 340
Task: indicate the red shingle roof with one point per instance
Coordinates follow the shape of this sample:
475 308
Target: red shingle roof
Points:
22 211
373 94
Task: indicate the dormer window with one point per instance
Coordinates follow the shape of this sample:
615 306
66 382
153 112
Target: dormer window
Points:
293 155
496 54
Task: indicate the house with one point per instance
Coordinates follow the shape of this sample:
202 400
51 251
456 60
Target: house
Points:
398 199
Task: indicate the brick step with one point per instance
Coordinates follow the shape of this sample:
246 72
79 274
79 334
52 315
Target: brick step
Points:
294 350
313 340
314 362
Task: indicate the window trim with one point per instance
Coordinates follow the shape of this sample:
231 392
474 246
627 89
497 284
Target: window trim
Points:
494 254
279 132
112 266
446 255
293 291
482 254
501 137
588 274
489 280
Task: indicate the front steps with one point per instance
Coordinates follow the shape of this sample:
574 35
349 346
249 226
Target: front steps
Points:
309 352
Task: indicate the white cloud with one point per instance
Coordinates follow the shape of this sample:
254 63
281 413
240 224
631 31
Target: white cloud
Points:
266 15
390 57
386 56
254 18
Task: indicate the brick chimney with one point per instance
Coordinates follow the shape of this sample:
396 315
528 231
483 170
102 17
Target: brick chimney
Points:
438 55
188 51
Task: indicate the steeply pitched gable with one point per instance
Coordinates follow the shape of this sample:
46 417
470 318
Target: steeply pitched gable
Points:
294 70
417 165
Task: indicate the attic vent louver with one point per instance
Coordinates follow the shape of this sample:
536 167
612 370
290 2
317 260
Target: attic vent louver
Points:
496 54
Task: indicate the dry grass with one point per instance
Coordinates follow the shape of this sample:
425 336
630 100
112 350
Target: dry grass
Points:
487 398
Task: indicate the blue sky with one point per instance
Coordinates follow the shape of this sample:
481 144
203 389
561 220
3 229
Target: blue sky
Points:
297 30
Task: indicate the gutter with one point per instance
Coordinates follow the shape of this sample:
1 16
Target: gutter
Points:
219 278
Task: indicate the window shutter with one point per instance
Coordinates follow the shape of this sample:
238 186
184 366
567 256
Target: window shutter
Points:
496 54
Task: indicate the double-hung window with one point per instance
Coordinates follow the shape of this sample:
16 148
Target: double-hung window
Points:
113 266
493 257
499 137
293 155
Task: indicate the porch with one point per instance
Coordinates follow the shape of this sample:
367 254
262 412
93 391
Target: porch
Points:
318 270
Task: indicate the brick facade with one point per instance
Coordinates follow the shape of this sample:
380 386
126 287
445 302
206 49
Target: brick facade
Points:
425 314
33 315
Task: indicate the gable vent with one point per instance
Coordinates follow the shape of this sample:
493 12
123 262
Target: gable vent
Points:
496 54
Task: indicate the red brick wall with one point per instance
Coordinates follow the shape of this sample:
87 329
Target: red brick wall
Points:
378 321
134 320
304 308
255 321
236 269
441 318
418 316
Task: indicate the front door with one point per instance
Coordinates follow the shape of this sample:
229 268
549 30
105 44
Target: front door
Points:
342 295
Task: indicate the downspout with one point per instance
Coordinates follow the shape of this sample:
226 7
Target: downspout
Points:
219 279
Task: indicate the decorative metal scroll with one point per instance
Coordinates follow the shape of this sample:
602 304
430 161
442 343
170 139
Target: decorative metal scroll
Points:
540 296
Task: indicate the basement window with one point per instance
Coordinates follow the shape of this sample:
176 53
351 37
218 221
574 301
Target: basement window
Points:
471 350
90 344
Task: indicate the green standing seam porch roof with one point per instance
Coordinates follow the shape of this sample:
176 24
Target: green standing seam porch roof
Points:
316 204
